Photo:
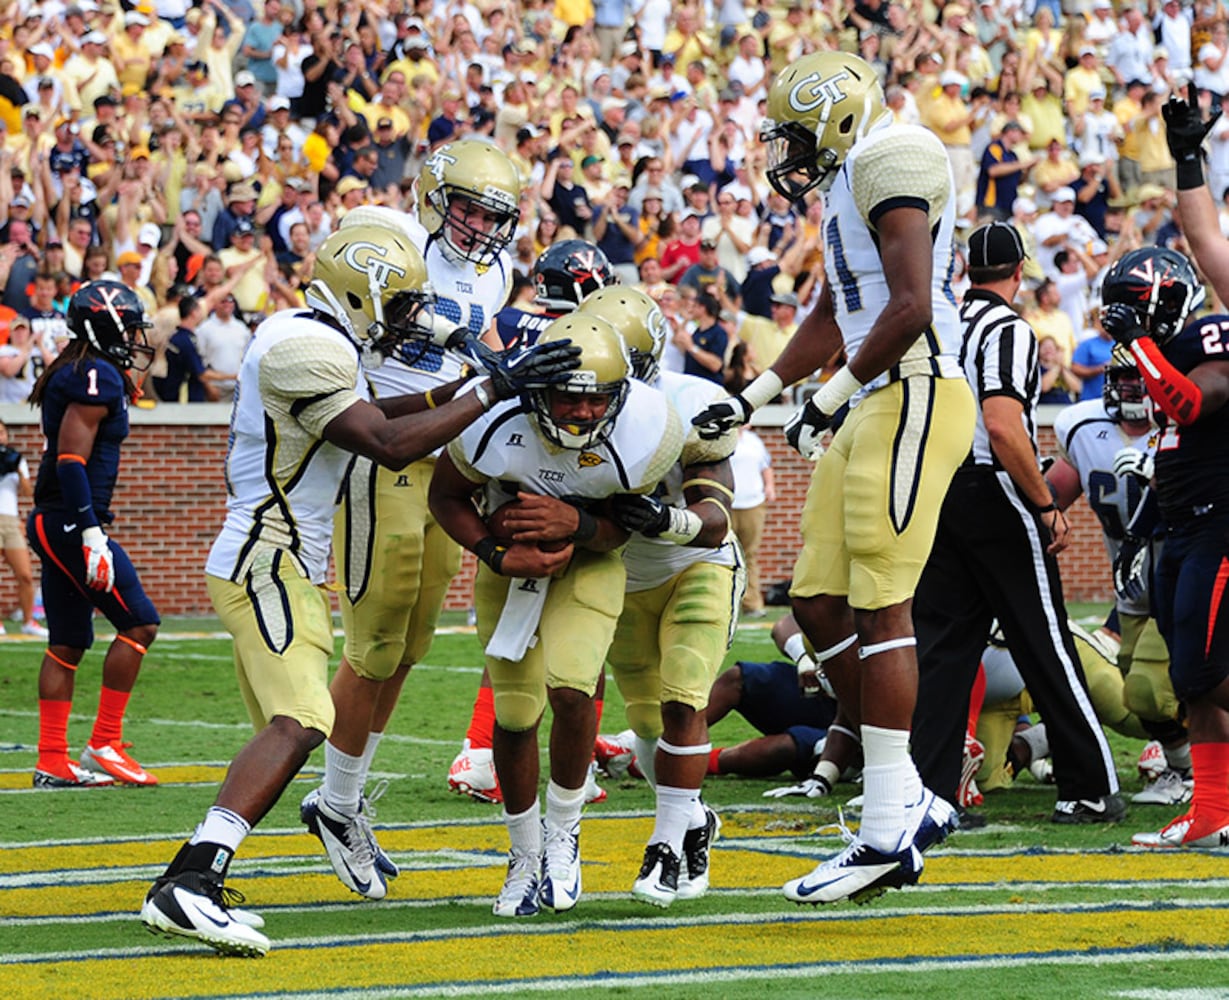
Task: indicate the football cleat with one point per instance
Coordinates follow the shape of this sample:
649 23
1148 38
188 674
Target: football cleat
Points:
194 905
34 629
859 872
616 755
73 775
1185 831
1152 763
693 875
967 793
936 818
593 791
658 881
366 813
1042 770
473 773
1106 809
345 841
519 896
1170 789
110 758
560 888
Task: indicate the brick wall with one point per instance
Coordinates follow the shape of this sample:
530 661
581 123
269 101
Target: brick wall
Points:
171 500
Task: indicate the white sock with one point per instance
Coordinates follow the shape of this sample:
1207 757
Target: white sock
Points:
343 780
884 778
674 806
646 758
369 753
525 830
1179 758
563 805
221 826
699 816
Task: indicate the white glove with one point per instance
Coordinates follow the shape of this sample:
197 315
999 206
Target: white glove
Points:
1132 462
99 564
805 430
812 788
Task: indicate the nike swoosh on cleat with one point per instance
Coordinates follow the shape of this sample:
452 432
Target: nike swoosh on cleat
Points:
213 920
70 527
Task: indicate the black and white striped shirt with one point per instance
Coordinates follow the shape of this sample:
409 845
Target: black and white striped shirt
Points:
999 358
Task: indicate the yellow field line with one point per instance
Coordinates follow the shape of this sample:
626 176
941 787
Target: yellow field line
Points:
584 953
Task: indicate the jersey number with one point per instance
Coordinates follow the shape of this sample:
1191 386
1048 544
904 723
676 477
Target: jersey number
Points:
1103 490
91 380
1212 335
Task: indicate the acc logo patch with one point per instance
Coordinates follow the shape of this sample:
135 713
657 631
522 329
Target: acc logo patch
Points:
588 460
814 90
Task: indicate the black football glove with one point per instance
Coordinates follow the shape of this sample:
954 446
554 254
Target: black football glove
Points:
636 512
10 460
804 431
513 372
1130 569
1185 128
721 417
1121 323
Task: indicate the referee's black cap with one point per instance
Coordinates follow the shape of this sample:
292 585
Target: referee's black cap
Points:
995 245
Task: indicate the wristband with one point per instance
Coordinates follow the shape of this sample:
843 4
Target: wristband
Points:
1047 508
491 553
1189 174
763 390
835 393
483 396
586 526
684 526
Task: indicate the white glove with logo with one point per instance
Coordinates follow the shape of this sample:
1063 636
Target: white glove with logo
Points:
1132 462
99 563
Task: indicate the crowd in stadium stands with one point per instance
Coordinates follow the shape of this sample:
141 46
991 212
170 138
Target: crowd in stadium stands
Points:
209 150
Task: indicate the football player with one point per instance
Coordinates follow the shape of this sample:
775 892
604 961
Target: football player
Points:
542 466
873 502
1188 379
565 273
394 562
562 276
84 395
685 578
302 410
1096 439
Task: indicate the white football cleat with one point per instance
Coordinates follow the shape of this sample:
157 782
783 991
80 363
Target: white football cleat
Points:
1183 832
658 881
191 904
560 888
1152 763
616 755
519 895
473 773
859 873
1170 789
348 847
697 843
967 792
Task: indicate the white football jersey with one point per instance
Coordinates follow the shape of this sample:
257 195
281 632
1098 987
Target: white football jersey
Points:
894 164
1089 440
464 297
282 478
651 562
505 448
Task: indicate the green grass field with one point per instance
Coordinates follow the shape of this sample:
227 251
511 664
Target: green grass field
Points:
1020 908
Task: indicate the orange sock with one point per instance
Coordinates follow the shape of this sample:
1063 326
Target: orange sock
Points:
713 766
1210 800
597 705
109 726
53 736
482 722
976 697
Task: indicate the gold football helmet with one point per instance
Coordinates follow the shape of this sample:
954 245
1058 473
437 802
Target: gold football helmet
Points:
818 107
639 322
461 183
604 370
373 282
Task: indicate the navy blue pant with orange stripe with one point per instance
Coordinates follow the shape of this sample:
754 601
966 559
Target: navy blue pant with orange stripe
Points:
1191 603
68 599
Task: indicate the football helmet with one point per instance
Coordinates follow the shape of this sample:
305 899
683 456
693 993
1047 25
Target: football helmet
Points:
639 322
604 369
1159 284
818 107
480 175
111 318
373 282
1124 394
567 272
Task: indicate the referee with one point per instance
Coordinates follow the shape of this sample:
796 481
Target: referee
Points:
999 531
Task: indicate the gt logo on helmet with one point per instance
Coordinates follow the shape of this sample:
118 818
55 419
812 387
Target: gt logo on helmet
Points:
370 264
438 163
813 90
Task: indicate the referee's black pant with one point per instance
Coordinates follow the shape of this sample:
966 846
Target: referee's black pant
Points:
989 561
